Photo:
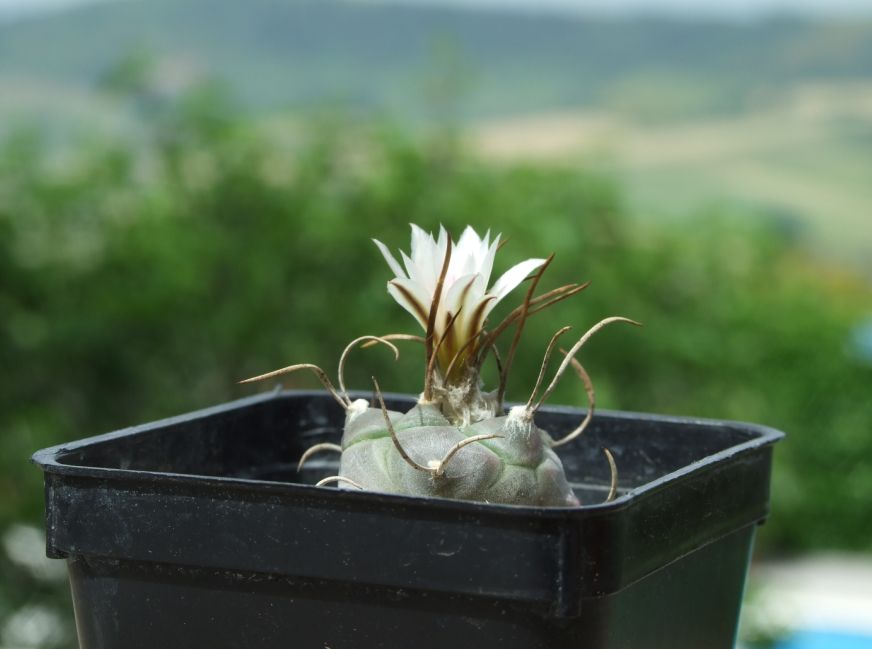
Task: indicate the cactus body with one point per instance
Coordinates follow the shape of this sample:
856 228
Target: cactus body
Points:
518 467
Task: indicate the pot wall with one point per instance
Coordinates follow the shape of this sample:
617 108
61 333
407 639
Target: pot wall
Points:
195 532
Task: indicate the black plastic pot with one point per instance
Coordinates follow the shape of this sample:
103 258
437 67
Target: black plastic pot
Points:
196 532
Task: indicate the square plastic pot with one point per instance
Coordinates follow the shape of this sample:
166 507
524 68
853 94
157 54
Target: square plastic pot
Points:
197 531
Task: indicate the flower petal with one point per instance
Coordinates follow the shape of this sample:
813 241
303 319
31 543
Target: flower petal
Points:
392 262
438 257
412 271
461 292
478 314
426 260
420 239
464 259
486 264
409 296
514 276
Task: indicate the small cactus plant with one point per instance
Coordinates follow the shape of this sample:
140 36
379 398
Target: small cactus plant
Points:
458 441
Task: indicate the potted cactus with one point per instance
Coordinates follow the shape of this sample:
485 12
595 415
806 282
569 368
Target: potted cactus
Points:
442 519
457 441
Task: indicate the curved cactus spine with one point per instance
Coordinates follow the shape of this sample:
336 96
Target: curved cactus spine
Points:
591 404
321 374
340 372
317 448
438 468
337 478
393 433
544 366
613 470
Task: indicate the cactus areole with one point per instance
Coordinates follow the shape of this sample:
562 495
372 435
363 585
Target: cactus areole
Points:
458 441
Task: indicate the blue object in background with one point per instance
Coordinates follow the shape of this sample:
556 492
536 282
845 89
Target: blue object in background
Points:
826 640
861 342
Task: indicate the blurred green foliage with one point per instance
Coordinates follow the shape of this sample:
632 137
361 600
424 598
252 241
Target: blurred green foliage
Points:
142 280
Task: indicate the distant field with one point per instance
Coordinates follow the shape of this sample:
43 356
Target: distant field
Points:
687 113
807 161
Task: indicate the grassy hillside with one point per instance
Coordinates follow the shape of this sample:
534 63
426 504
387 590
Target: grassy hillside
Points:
280 52
803 162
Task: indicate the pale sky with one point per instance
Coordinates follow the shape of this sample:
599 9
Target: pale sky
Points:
734 8
24 7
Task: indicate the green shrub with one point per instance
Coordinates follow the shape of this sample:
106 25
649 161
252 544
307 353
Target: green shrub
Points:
143 279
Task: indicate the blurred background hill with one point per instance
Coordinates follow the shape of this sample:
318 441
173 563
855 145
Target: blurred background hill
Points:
770 111
278 54
179 177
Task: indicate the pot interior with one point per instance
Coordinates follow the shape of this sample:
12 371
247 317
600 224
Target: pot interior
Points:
263 439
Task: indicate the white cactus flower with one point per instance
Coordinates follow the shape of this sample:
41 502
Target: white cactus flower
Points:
465 293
